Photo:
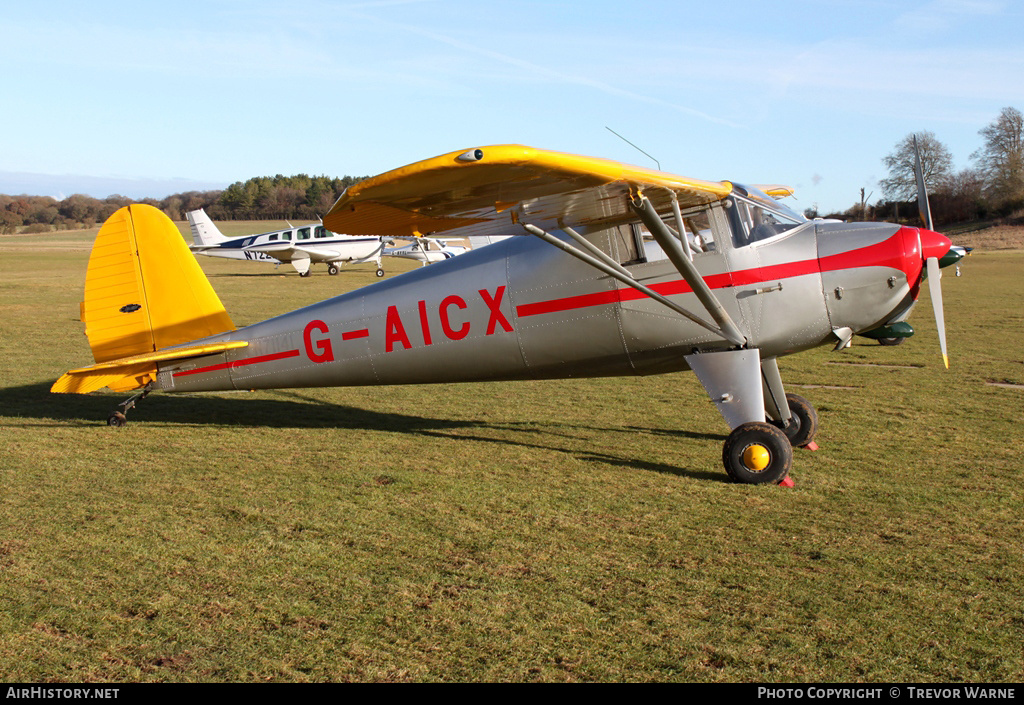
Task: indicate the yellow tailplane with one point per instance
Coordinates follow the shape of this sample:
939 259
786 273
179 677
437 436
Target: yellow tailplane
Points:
144 292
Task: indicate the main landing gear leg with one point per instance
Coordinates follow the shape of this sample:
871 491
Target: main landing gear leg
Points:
756 452
120 418
790 412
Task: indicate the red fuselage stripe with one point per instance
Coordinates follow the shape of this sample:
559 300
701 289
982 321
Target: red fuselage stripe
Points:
240 363
745 277
888 253
882 254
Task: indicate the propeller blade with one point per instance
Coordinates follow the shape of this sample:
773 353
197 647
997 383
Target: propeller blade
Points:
935 290
922 193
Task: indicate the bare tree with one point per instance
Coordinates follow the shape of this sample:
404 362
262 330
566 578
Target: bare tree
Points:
936 163
1001 160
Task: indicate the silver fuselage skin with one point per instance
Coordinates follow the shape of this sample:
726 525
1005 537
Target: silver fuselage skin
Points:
522 309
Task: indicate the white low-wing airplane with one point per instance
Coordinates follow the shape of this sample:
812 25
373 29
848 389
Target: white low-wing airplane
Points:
301 246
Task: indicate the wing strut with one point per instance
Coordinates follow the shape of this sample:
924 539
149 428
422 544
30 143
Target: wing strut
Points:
596 251
679 224
674 250
614 270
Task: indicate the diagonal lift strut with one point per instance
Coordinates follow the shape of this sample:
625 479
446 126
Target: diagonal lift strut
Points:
613 269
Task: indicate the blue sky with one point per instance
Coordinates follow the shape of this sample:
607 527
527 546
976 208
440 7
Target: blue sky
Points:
149 98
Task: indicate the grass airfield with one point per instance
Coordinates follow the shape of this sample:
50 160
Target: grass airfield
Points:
542 531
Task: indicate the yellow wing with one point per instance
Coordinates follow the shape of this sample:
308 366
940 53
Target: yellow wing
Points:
488 191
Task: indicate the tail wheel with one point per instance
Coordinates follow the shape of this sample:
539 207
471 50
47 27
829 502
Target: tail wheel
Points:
757 453
803 422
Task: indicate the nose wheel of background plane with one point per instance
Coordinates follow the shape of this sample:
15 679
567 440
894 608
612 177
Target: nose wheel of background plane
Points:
757 453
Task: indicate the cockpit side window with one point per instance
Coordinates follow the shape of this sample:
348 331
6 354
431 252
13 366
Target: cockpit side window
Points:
697 226
751 222
623 243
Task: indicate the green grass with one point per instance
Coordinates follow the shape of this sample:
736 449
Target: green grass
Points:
539 531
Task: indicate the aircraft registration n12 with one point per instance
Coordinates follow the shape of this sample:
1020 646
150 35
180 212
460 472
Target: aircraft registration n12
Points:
735 281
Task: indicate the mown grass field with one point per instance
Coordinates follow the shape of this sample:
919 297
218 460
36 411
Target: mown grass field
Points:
546 531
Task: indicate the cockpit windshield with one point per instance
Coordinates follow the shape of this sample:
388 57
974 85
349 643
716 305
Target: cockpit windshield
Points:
754 216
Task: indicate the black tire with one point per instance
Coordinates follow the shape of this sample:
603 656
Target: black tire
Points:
757 435
306 273
803 422
891 341
332 269
117 419
380 272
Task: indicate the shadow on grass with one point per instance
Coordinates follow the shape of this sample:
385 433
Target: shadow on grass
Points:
34 405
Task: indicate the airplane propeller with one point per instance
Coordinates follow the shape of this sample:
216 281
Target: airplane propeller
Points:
931 244
935 289
922 193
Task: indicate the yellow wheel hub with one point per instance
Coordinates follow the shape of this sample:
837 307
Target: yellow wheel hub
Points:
756 457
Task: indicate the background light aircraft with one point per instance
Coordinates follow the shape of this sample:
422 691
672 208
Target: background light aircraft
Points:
574 295
302 245
426 250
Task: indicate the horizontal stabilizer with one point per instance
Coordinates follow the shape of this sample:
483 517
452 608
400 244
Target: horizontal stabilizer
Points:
132 372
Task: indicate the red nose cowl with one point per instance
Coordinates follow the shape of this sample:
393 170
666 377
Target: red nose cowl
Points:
934 244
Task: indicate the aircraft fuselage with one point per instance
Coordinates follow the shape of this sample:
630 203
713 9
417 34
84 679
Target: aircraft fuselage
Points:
521 309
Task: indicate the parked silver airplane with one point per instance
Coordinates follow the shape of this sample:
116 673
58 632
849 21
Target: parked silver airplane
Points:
575 295
302 245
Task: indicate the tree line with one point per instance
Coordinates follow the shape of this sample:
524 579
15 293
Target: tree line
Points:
992 187
299 197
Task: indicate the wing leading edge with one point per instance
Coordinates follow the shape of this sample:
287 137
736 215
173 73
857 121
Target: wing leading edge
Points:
490 190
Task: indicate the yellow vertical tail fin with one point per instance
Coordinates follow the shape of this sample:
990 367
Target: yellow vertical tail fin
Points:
144 291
